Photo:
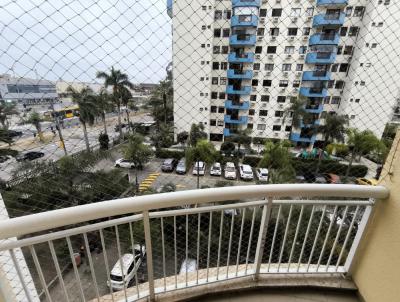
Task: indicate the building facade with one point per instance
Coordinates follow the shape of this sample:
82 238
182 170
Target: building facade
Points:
240 64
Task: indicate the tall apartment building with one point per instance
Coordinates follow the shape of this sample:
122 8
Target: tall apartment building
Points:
240 63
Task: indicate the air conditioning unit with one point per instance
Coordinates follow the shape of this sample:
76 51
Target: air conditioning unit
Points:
277 1
288 121
270 57
268 73
287 135
264 1
266 89
252 105
275 20
258 57
294 19
263 119
262 20
255 74
276 134
291 38
283 89
260 133
264 105
250 118
285 74
259 39
309 19
301 56
254 89
278 120
280 106
273 38
288 56
305 38
298 74
295 90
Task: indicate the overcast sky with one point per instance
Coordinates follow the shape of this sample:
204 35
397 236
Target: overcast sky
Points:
71 39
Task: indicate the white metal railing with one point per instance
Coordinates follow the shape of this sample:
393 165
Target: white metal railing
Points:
265 229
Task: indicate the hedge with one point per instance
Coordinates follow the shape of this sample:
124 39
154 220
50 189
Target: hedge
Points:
10 152
165 153
328 166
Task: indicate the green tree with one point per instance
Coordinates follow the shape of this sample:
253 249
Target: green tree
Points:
297 112
241 137
118 81
35 119
104 104
161 102
182 137
196 134
5 136
88 109
138 153
103 141
163 137
6 110
228 148
126 99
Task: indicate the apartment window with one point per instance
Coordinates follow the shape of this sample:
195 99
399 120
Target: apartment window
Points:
327 99
204 7
224 65
292 31
269 67
299 67
214 95
387 2
348 11
216 49
222 95
251 112
256 66
283 83
343 67
281 99
374 45
288 128
201 78
203 27
362 83
309 11
348 50
296 83
225 49
278 113
380 24
286 67
254 82
218 15
227 14
339 50
267 83
213 109
276 128
221 109
276 12
215 66
226 32
201 94
302 50
265 98
220 123
203 45
263 113
222 81
334 67
217 32
306 31
258 49
353 31
260 31
202 62
271 49
253 98
213 122
339 84
289 49
263 13
357 100
274 31
261 126
359 11
295 12
343 31
335 100
250 126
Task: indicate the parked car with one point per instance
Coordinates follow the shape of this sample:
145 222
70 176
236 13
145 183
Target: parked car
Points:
230 171
199 167
181 167
116 128
31 155
4 158
216 169
169 165
332 178
366 181
262 174
188 265
14 133
124 163
130 265
246 172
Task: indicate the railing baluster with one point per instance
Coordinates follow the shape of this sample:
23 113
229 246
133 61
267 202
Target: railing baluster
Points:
186 249
134 260
40 272
285 236
209 244
220 241
250 239
78 279
58 270
123 273
230 244
103 245
274 237
163 253
305 237
20 275
240 241
149 253
347 237
316 238
326 237
198 248
295 237
175 255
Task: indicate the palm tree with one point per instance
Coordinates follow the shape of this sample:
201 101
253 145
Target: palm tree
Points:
241 137
6 109
126 99
103 101
162 102
297 112
34 119
117 80
88 109
334 128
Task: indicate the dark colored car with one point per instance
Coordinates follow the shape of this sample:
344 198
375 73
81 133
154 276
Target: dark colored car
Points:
169 165
29 156
116 128
13 133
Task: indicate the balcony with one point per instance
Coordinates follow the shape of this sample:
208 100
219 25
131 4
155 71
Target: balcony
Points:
332 3
323 39
227 132
241 106
315 108
169 8
334 20
244 21
246 3
241 120
316 76
242 40
237 74
320 58
295 137
313 92
243 58
244 91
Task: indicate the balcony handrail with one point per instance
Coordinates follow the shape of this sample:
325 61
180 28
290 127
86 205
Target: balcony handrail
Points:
29 224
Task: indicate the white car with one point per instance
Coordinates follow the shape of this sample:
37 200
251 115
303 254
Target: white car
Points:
246 172
123 163
188 265
230 170
215 169
121 278
262 174
199 166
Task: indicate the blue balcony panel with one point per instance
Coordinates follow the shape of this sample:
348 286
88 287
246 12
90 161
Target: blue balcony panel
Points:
247 57
237 40
245 90
169 8
246 3
322 39
296 138
244 21
316 123
242 106
332 3
227 132
314 109
240 120
328 20
235 74
320 58
316 76
313 92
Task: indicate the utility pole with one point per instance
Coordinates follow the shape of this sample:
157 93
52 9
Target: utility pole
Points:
55 117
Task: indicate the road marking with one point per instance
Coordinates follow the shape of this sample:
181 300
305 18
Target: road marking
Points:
154 174
180 186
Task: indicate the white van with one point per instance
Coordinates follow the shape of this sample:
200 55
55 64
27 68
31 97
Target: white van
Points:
199 166
230 171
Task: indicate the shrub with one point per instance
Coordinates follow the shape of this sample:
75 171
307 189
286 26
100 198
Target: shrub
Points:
166 153
10 152
341 150
103 140
223 183
252 160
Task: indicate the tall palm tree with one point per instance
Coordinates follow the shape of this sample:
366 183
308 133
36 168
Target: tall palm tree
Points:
6 110
126 99
334 128
117 80
88 110
103 101
297 112
35 119
162 102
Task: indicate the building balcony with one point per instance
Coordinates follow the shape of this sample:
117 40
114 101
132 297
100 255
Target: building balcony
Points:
314 108
227 132
241 120
295 137
244 58
320 58
242 40
237 74
313 92
335 20
169 8
244 91
323 39
316 76
246 3
332 3
241 106
244 21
